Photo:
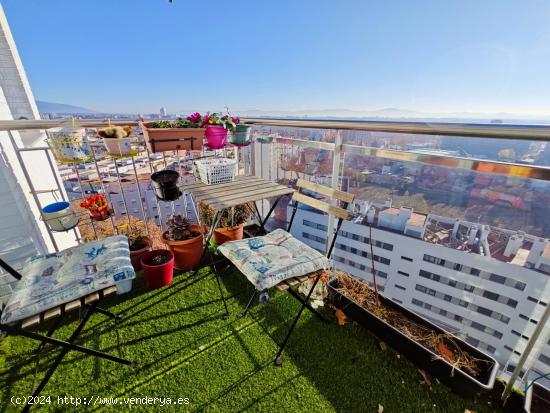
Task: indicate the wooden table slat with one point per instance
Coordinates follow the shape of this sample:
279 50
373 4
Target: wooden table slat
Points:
239 186
258 197
242 190
236 192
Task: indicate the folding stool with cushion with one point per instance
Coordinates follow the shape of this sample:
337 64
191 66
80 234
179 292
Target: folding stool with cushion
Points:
279 260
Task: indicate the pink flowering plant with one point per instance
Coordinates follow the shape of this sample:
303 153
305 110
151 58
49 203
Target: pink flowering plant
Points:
216 119
196 120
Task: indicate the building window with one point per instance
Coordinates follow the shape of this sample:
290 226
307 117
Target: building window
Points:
400 287
474 271
402 273
491 295
458 267
497 278
406 258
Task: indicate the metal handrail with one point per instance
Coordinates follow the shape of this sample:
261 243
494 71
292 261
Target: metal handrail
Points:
495 131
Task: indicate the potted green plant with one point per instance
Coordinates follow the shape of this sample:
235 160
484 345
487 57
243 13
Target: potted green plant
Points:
217 126
138 242
181 134
117 140
231 223
185 241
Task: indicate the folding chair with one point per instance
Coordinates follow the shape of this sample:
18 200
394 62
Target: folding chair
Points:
279 260
52 286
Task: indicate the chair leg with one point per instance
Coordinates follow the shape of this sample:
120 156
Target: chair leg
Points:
250 302
213 265
66 347
308 306
107 313
278 359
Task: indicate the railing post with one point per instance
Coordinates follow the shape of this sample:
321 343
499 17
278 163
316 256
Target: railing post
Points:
526 353
336 155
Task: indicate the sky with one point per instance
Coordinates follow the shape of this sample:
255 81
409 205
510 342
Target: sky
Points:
482 56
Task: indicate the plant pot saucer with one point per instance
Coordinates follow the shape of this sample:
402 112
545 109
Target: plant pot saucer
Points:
133 152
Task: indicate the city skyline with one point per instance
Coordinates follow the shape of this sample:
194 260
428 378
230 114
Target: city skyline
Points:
428 57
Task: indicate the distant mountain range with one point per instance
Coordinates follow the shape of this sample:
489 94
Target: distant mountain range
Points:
338 113
50 107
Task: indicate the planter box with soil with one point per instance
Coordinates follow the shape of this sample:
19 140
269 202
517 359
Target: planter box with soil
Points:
160 139
537 399
457 364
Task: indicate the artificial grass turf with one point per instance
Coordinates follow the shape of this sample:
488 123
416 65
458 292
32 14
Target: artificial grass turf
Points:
185 348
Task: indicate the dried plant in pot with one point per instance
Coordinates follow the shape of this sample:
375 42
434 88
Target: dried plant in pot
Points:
465 369
231 223
138 242
117 140
185 240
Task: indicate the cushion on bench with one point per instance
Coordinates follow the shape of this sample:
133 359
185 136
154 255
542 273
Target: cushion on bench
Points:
51 280
270 259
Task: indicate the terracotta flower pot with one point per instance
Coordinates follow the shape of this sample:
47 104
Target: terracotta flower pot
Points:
135 255
222 235
171 139
187 253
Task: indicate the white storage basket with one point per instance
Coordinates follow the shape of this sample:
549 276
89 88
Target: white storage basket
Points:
216 170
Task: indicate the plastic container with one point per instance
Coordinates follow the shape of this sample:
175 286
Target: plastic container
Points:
216 136
59 216
157 276
118 147
241 136
217 170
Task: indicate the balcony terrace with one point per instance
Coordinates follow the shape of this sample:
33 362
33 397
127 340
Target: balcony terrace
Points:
185 347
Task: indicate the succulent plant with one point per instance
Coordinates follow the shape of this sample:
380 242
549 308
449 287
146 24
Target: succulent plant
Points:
179 228
115 132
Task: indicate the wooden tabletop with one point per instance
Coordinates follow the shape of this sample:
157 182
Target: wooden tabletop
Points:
240 191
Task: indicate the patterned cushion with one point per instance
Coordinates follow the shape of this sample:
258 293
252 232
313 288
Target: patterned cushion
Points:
54 279
275 257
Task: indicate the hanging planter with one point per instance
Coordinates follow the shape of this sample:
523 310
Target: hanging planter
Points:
68 145
97 206
158 268
117 141
165 184
241 136
59 216
454 362
185 241
165 135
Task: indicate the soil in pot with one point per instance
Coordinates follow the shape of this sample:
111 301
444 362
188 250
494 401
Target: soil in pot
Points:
165 185
187 253
137 249
158 268
222 235
443 344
